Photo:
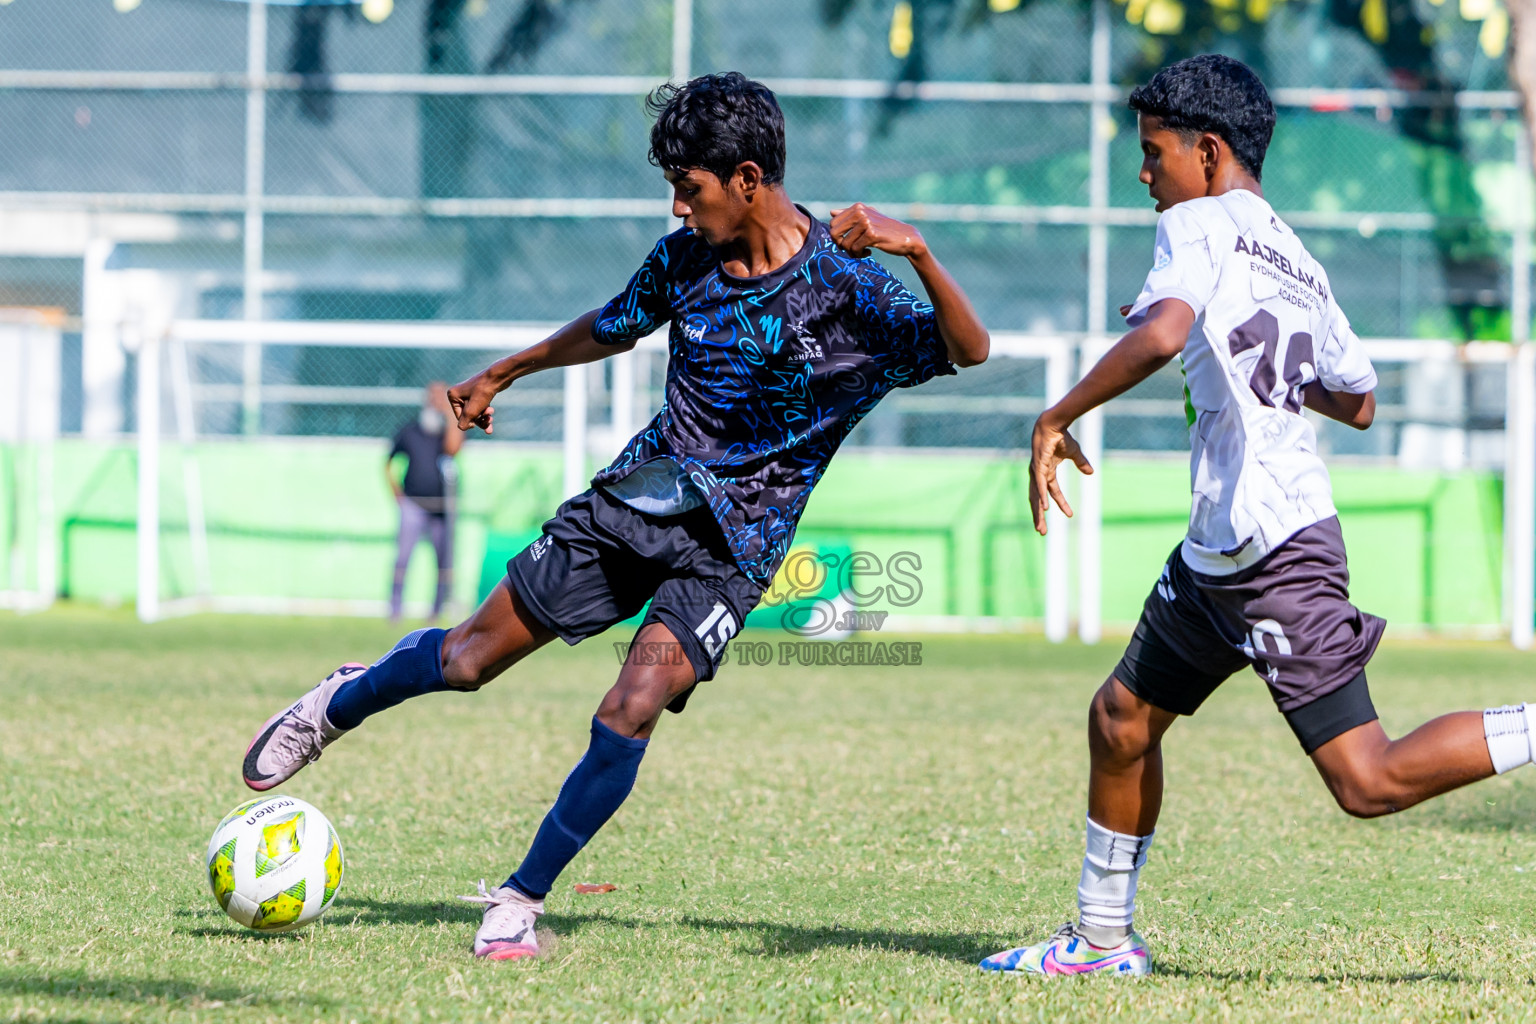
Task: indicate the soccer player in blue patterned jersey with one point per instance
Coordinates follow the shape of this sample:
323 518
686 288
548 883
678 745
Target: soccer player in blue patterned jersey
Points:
783 334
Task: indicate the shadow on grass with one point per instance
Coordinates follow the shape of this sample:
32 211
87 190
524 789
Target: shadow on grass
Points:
216 926
346 911
778 939
364 911
234 931
1340 978
131 990
1503 812
774 938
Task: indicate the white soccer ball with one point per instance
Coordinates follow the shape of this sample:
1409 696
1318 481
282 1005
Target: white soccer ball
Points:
274 864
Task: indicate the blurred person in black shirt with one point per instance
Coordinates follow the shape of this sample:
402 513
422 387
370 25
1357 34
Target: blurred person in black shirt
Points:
426 493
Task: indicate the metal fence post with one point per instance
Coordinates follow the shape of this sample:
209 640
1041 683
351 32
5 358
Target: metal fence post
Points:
103 363
682 39
255 226
1520 424
622 397
1520 496
574 432
148 522
1090 510
1058 377
1099 126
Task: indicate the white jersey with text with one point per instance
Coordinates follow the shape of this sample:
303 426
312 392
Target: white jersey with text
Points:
1266 326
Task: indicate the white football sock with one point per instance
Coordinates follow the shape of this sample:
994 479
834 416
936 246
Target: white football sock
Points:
1509 733
1106 893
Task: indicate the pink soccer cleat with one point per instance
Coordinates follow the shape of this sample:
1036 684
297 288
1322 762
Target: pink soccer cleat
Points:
294 737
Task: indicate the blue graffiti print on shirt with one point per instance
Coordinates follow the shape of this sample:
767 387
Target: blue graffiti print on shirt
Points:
766 376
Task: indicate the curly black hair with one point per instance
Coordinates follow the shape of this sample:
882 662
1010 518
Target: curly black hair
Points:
1213 93
717 122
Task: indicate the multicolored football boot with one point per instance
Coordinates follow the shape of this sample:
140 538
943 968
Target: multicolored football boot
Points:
509 929
295 736
1067 952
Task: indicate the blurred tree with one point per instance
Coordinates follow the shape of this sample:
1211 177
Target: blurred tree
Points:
447 122
530 28
307 57
1469 253
449 128
1169 30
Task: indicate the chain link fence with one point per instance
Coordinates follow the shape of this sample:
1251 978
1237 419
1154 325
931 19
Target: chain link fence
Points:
469 160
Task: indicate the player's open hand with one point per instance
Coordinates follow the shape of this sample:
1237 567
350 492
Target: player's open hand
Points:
860 228
1051 447
471 402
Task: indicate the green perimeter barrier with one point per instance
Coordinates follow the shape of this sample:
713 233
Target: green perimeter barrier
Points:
312 518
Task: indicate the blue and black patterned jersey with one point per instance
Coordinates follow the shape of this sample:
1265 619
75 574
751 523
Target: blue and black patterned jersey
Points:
767 375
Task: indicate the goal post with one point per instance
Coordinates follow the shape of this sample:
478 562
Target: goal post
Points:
211 530
30 379
194 518
182 379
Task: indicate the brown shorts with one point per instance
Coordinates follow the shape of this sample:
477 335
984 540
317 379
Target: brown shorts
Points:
1288 616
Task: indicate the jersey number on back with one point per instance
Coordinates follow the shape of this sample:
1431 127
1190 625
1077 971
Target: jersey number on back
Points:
1264 330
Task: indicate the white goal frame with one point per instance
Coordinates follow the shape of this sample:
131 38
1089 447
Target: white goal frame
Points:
1061 354
29 423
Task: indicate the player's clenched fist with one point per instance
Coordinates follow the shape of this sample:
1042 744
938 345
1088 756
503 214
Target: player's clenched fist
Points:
860 228
471 402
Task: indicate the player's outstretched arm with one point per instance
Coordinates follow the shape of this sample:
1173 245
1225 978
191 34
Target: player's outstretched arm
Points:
571 344
1357 411
860 228
1141 353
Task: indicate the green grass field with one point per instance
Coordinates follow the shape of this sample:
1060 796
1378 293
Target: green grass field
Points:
803 844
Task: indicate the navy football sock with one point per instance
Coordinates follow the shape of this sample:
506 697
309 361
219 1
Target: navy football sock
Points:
592 792
414 666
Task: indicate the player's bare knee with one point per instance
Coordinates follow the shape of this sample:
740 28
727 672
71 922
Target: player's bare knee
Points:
634 705
633 718
1362 803
1114 733
463 667
1361 793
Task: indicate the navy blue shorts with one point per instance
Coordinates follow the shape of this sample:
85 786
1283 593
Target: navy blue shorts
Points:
599 561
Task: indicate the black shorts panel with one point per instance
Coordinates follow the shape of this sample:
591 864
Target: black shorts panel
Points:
1288 616
599 561
703 613
577 577
1159 675
1332 715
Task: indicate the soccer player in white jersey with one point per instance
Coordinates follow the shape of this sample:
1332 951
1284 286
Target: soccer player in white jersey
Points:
1261 578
